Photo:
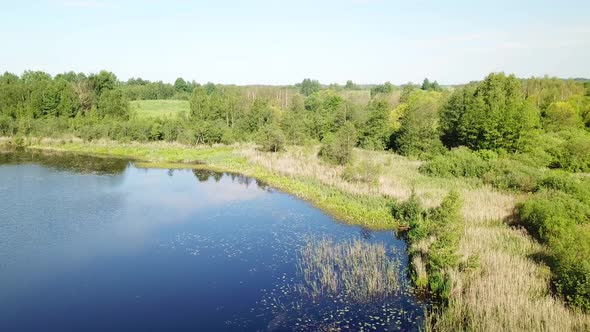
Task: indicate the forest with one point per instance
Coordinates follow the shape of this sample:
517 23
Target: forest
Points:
529 136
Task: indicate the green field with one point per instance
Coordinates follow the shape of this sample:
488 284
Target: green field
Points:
160 108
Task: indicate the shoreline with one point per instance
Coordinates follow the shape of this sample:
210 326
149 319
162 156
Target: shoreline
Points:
370 212
491 252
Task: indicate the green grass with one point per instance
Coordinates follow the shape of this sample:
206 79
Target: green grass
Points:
367 211
160 108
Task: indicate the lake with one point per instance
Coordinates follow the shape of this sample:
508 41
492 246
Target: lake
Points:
98 244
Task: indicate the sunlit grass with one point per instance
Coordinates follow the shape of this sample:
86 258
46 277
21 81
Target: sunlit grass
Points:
159 108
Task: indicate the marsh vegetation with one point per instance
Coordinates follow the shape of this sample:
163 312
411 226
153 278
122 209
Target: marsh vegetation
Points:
360 271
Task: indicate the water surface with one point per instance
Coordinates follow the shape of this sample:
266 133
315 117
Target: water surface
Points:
98 244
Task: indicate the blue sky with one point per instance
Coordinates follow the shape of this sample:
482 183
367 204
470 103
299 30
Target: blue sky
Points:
282 42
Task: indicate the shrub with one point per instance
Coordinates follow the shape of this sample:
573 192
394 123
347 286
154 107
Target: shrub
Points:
458 162
272 139
548 213
337 149
509 174
439 230
6 125
411 213
570 263
573 154
562 181
364 171
560 220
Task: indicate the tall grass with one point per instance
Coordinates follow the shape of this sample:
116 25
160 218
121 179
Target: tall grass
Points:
359 270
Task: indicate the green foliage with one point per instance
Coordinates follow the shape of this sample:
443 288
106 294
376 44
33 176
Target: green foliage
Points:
377 131
542 91
489 115
412 214
570 265
351 86
338 148
459 162
561 116
573 153
440 230
507 174
111 103
559 216
418 133
180 85
103 81
385 88
272 139
552 212
430 86
309 86
407 90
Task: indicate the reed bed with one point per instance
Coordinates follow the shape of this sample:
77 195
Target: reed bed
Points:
359 270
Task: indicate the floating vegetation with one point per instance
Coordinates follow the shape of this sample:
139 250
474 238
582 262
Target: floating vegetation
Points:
360 270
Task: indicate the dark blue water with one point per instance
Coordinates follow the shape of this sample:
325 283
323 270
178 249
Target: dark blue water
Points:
92 244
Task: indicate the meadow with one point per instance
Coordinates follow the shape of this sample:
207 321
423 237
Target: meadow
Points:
159 108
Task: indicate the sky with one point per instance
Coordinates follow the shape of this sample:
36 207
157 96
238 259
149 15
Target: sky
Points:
283 42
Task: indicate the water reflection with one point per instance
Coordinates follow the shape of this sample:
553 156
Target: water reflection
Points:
169 249
64 161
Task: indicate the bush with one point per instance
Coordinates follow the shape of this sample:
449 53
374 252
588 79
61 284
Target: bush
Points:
411 213
570 263
458 162
562 181
548 213
443 226
364 172
272 139
560 220
509 174
6 125
574 153
337 149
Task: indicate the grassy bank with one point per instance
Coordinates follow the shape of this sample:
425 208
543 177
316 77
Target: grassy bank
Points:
496 283
371 211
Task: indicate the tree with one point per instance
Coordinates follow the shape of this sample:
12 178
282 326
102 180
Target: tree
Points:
69 101
308 86
351 86
105 80
419 133
385 88
430 86
112 104
491 114
407 90
272 138
562 116
337 148
376 132
426 85
180 85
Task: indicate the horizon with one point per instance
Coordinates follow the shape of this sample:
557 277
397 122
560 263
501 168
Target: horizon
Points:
265 43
